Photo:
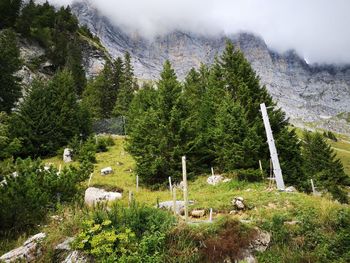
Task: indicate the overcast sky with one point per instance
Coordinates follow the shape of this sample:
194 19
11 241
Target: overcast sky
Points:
319 30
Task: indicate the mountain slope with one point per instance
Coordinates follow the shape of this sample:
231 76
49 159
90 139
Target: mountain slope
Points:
308 93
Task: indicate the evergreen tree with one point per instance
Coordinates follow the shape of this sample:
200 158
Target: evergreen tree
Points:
158 138
128 86
49 116
10 62
322 165
8 146
75 65
97 95
9 11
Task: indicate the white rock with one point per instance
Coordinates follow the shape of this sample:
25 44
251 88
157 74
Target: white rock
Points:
94 195
107 170
290 189
179 205
238 203
198 213
67 155
27 253
75 257
214 179
227 180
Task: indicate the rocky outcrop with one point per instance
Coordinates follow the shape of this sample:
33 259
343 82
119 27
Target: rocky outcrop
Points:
29 252
307 93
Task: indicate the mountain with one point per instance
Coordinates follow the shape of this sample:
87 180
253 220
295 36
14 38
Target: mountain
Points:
316 94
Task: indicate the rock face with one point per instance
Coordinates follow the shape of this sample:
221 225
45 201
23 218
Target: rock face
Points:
26 253
307 93
94 195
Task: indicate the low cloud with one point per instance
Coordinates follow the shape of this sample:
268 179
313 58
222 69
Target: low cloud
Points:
317 29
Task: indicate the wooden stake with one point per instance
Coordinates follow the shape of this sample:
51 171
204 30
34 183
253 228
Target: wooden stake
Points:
313 187
59 169
170 186
137 183
261 169
211 215
212 171
89 179
174 200
184 175
130 198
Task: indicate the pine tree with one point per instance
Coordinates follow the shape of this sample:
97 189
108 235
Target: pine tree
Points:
9 11
322 165
97 95
158 137
128 86
8 146
48 117
10 89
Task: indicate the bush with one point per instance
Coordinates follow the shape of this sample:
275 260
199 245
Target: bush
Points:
250 175
26 196
135 234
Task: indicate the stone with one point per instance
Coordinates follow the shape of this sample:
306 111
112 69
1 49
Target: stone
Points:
238 203
261 241
65 245
95 195
67 155
214 179
76 257
290 189
27 253
168 205
227 180
106 171
198 213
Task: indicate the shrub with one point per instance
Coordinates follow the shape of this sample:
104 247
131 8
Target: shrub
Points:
135 234
250 175
26 197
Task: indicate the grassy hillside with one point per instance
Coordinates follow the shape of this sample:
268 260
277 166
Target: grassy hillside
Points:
303 227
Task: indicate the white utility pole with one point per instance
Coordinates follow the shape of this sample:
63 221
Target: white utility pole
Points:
272 147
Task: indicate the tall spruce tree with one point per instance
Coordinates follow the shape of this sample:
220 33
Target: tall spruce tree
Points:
322 165
9 11
128 86
10 89
48 117
158 138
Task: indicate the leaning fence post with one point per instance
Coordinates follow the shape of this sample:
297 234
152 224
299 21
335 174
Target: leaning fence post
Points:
211 215
137 183
313 187
170 185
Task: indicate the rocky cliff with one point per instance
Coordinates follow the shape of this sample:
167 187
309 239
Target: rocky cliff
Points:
308 93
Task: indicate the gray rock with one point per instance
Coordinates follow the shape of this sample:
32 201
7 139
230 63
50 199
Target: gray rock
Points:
215 179
238 203
95 195
180 206
28 252
290 189
76 257
67 155
106 171
198 213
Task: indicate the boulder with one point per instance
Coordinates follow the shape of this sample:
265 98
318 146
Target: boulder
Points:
76 257
94 195
290 189
180 206
214 179
107 170
67 155
260 242
198 213
26 253
238 203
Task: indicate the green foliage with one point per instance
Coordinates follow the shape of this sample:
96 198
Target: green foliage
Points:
9 11
8 146
10 62
27 195
127 85
135 234
49 116
214 120
322 165
330 135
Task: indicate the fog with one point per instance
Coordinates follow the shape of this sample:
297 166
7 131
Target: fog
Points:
317 29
